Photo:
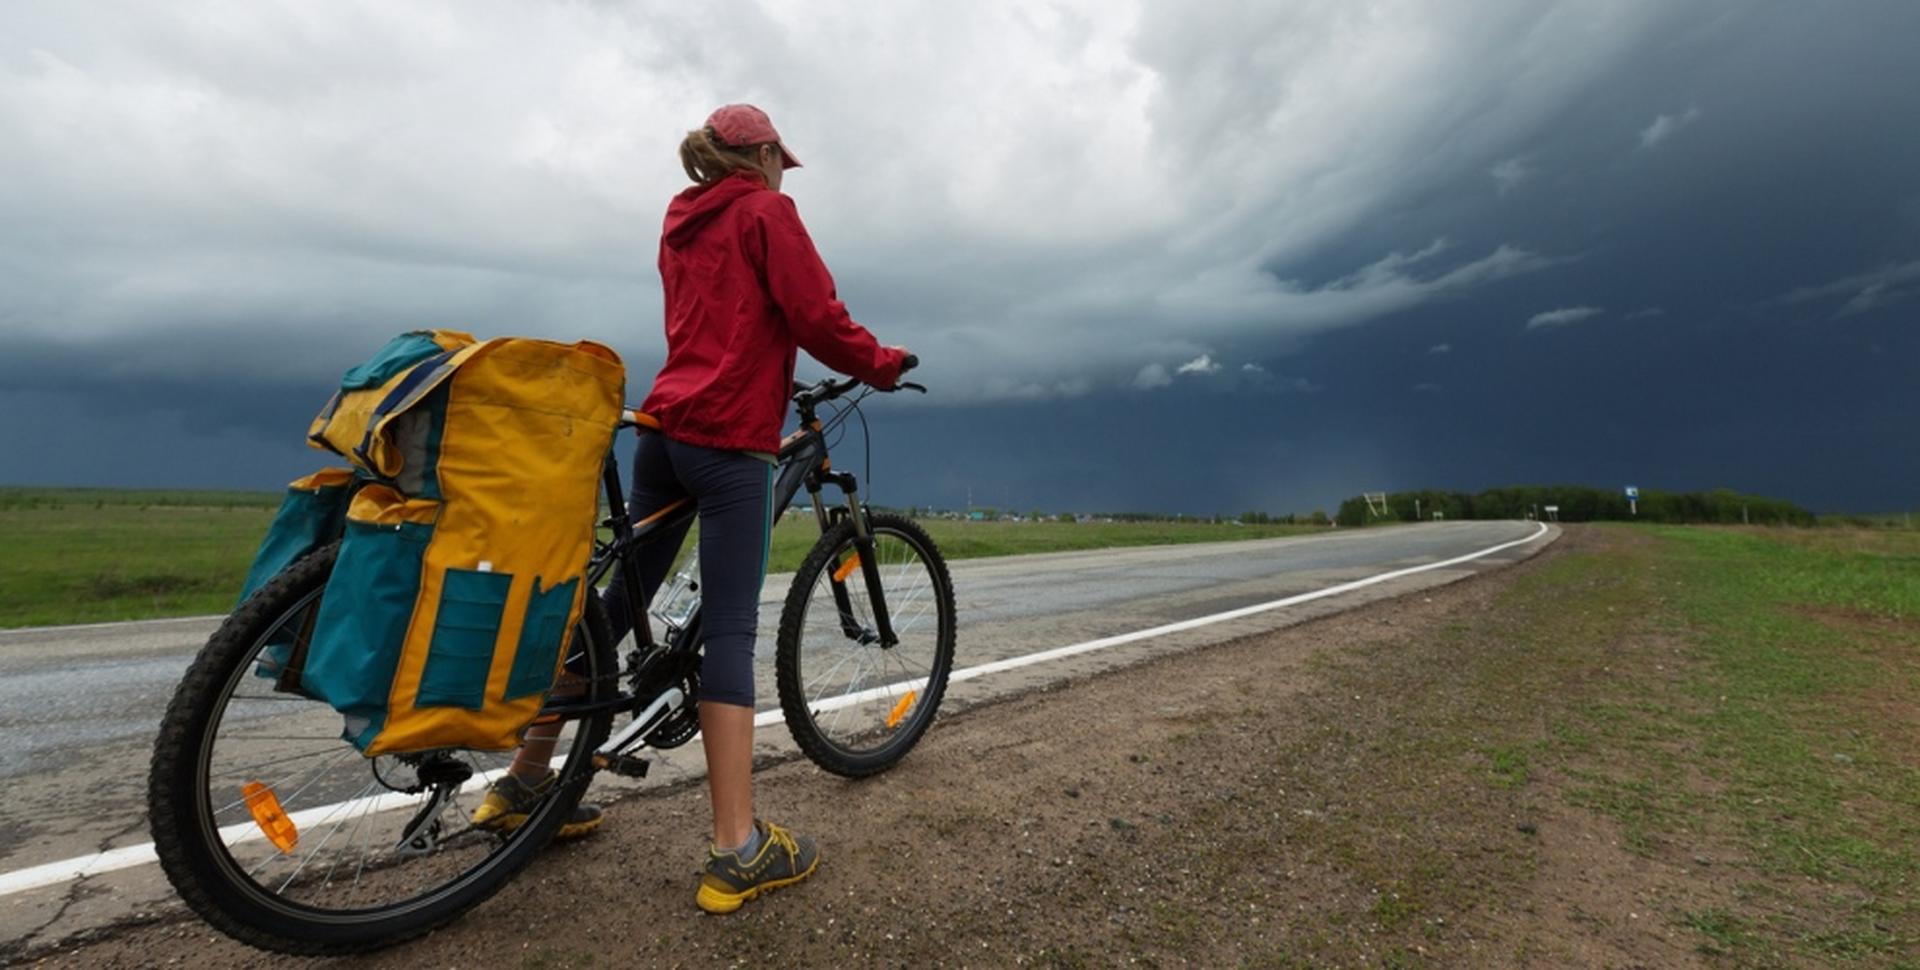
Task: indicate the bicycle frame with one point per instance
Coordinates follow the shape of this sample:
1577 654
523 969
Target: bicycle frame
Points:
803 462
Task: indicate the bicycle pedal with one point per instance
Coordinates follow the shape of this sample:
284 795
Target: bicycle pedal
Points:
624 765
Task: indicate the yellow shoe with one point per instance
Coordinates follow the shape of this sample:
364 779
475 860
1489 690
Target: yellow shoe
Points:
729 882
509 801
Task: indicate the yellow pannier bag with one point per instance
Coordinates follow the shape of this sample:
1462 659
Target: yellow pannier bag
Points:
461 570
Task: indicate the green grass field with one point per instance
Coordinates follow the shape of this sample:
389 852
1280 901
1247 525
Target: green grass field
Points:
1799 714
1804 711
1740 702
87 555
1657 746
73 556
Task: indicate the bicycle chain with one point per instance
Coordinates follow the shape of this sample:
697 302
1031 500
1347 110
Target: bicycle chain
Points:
683 724
649 676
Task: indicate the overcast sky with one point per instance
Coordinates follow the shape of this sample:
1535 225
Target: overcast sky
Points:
1177 256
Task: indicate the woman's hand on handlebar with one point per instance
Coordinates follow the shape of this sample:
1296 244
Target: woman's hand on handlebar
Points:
908 361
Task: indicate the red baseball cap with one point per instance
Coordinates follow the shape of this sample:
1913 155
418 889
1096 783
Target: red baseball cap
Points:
740 125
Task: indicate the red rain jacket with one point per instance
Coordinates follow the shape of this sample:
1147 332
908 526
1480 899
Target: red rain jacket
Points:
744 287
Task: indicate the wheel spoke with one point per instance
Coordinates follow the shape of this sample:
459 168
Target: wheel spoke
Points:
910 621
333 748
366 852
901 659
281 698
919 582
329 837
363 813
908 602
844 657
282 737
275 787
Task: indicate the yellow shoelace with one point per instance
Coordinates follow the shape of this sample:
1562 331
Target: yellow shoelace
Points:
780 837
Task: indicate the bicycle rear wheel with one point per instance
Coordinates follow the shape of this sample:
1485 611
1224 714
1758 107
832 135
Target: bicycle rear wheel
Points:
854 706
342 853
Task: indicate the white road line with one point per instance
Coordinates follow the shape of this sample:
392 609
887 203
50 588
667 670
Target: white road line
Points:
126 857
62 628
1057 653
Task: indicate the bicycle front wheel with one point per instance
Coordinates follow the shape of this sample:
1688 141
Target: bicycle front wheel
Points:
282 835
857 705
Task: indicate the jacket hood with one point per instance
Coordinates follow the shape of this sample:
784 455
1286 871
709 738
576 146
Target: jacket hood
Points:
692 209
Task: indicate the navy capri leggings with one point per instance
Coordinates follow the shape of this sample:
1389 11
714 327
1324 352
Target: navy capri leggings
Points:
734 494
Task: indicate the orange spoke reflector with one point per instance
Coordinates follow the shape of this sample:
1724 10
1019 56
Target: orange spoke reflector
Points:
900 710
846 568
269 816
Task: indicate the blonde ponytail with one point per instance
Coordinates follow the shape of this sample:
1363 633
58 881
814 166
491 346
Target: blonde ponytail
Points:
707 159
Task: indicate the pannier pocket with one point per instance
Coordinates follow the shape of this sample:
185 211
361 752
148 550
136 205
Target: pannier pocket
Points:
460 655
540 639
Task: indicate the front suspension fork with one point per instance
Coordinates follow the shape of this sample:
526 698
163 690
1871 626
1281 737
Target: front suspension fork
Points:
868 564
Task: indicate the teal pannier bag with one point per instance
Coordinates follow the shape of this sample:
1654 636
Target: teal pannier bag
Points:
313 514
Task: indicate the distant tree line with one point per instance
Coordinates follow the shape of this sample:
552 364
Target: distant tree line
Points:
1318 517
1579 503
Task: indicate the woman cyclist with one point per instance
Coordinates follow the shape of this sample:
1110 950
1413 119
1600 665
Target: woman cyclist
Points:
744 288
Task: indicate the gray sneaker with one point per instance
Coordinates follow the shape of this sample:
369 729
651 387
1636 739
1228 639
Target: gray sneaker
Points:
509 801
783 859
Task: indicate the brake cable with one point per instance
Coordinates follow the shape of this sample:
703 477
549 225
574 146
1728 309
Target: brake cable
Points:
867 434
837 423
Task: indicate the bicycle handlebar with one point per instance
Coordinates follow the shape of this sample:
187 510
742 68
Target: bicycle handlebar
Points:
810 395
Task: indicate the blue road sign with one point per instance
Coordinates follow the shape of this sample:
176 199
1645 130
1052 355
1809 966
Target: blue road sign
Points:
1633 491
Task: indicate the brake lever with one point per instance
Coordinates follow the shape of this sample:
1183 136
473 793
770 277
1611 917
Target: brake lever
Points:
910 386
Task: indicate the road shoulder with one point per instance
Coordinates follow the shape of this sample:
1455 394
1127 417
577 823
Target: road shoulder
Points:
1206 805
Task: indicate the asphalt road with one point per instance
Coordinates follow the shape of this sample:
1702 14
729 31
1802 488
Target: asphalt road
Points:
80 705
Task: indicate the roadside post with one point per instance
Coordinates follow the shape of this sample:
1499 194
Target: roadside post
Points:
1633 500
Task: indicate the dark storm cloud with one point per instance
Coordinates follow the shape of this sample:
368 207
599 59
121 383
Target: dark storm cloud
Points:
1174 256
1045 199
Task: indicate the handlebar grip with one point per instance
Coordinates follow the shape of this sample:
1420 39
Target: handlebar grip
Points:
909 362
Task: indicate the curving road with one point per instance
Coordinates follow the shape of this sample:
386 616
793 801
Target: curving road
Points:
80 705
